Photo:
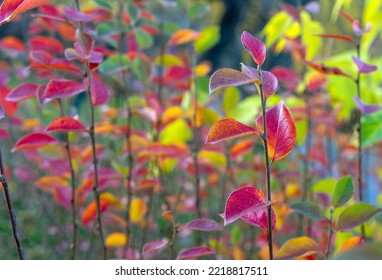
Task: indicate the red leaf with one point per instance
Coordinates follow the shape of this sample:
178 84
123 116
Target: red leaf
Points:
254 46
100 93
269 81
63 196
292 11
327 70
203 225
227 77
281 131
46 44
195 252
24 91
346 16
259 218
34 140
65 124
63 88
11 8
228 129
339 37
152 247
243 201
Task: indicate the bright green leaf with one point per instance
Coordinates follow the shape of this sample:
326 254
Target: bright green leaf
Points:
210 36
114 64
356 215
230 98
371 129
343 191
175 132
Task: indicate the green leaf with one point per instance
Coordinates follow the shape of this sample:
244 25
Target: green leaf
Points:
175 132
144 39
343 191
105 4
308 209
356 215
325 185
132 11
105 29
210 36
198 10
371 129
115 63
230 98
372 251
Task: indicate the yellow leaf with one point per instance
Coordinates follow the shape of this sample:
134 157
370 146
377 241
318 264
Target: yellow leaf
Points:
297 247
172 113
116 239
168 60
203 68
138 210
49 183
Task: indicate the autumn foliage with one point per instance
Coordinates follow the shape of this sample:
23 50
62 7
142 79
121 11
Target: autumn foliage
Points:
120 141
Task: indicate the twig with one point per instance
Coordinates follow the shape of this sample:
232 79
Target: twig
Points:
12 215
267 163
73 185
330 233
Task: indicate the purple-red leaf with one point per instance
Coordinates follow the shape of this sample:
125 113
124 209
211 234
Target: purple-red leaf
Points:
228 129
24 91
63 88
259 218
1 113
363 67
365 108
292 11
227 77
243 201
281 131
34 140
254 46
75 15
153 247
100 93
65 124
269 81
195 252
358 31
203 225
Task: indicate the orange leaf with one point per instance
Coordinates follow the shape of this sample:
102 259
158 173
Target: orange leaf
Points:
351 243
228 129
11 8
327 70
65 124
184 36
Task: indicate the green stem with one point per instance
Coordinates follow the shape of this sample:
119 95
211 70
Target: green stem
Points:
267 163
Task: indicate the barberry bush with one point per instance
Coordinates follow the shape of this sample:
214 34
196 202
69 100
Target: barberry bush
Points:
120 139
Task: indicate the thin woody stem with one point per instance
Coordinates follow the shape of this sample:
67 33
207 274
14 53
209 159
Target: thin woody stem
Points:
267 162
11 212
